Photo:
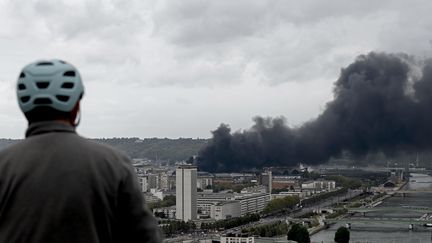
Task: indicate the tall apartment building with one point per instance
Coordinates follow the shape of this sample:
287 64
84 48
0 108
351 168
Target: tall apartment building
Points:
143 181
266 179
186 192
148 181
164 181
153 181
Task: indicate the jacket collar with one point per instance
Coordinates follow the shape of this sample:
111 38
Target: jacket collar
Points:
47 127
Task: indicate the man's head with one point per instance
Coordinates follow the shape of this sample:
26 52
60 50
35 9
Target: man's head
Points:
50 90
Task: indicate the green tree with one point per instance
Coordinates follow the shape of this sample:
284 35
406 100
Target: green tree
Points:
346 182
160 215
280 204
299 233
268 230
342 235
168 201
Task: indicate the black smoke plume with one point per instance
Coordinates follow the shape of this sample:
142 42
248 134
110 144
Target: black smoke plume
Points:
382 103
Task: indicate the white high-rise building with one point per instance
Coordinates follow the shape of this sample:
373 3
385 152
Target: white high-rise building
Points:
186 192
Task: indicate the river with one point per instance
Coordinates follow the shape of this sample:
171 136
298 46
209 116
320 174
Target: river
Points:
390 232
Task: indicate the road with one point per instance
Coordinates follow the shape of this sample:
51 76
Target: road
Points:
305 210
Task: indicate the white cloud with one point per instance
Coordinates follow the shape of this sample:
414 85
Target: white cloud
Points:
224 60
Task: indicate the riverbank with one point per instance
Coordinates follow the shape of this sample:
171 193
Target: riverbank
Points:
318 228
395 229
360 201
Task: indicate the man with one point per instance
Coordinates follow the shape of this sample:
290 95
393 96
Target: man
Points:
56 186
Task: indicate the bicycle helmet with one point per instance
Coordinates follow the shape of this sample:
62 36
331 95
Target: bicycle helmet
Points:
53 83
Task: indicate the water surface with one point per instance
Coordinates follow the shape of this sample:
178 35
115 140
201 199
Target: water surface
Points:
390 232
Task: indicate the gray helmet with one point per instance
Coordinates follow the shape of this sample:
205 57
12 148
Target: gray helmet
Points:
52 83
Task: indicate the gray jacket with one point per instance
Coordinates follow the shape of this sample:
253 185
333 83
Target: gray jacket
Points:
56 186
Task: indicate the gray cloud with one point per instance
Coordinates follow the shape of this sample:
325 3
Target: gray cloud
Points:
197 22
286 38
281 38
208 48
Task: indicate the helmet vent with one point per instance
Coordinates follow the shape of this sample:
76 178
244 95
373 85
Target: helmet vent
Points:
63 98
25 99
42 85
45 64
67 85
22 75
21 87
69 74
42 101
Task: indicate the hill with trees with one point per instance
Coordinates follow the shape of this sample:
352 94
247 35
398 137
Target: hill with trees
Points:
156 149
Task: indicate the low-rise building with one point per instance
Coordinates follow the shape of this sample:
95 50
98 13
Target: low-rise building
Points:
299 194
249 202
206 200
157 193
225 210
166 212
204 180
150 198
240 238
253 203
282 182
237 239
319 185
233 177
254 189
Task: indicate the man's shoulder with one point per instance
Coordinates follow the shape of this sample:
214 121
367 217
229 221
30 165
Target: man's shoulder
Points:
9 148
72 144
17 146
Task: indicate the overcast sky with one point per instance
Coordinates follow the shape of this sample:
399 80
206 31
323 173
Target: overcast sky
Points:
180 68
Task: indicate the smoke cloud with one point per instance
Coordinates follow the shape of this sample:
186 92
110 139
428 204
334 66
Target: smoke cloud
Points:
382 103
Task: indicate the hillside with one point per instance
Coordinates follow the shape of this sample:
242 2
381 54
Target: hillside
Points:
150 148
157 148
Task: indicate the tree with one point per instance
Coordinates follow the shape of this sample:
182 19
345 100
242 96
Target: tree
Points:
280 204
160 215
342 235
298 233
168 201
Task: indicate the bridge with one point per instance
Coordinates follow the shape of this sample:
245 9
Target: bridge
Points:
387 219
417 209
411 191
404 193
410 169
405 221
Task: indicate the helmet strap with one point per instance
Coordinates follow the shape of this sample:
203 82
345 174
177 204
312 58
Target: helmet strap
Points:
77 118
